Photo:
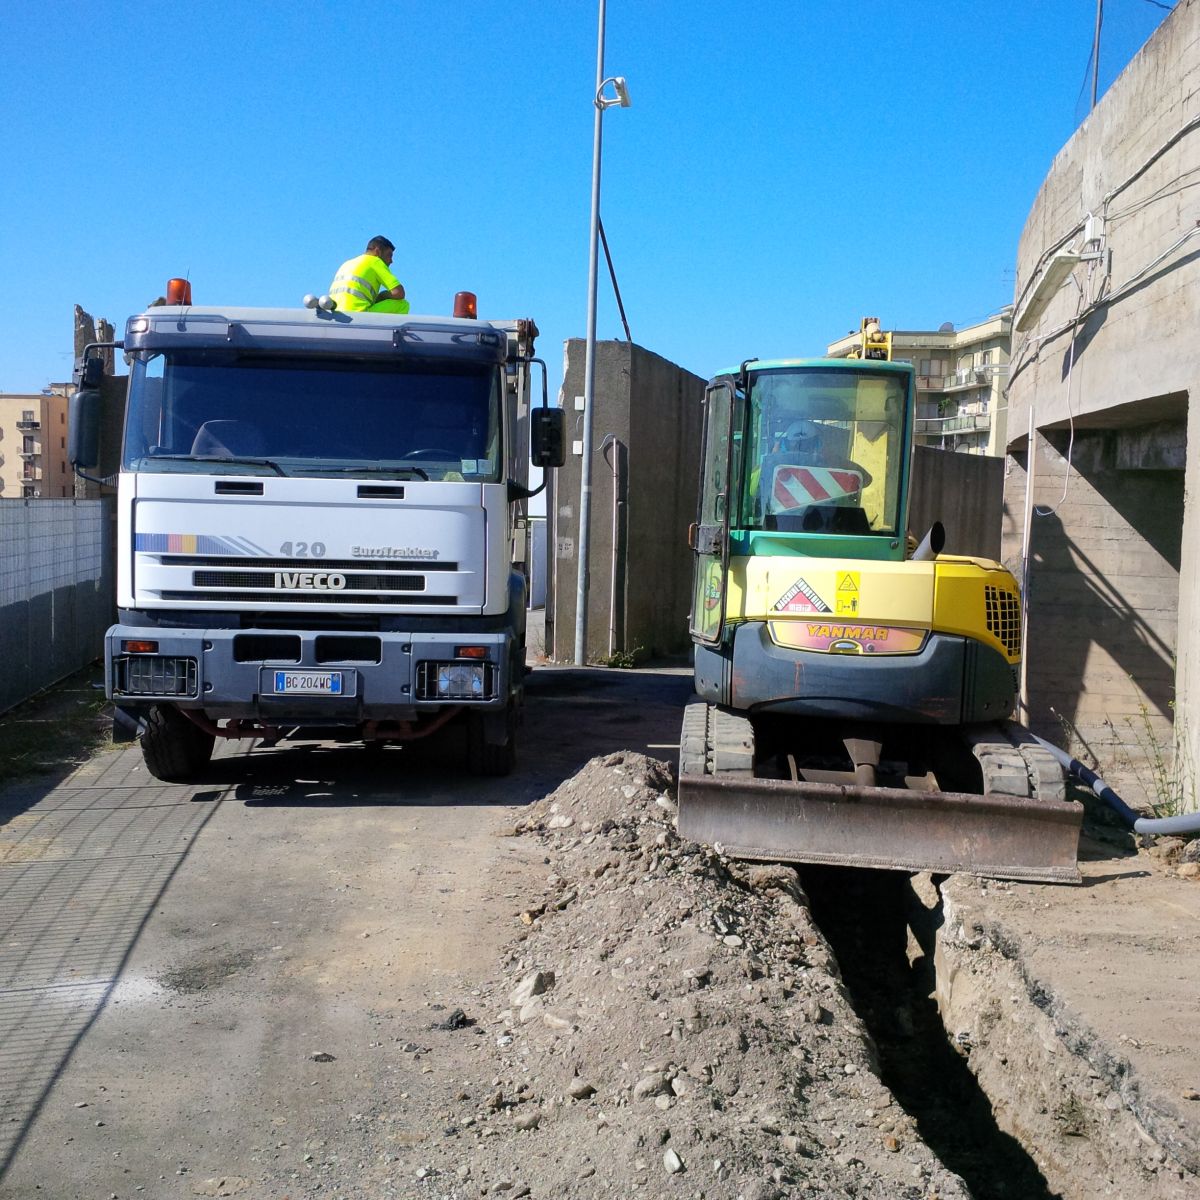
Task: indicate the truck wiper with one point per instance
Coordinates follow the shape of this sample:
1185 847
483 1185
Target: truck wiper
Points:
397 472
218 458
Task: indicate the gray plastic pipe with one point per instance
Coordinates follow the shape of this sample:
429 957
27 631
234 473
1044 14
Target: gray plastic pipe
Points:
1186 823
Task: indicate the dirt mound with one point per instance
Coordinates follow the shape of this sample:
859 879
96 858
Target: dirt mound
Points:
668 1024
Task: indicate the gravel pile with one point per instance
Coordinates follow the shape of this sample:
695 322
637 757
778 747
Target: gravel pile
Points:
668 1024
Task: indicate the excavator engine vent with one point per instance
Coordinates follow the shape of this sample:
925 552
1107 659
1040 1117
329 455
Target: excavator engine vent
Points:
1003 610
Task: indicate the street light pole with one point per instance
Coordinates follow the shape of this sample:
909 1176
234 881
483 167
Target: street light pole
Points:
601 102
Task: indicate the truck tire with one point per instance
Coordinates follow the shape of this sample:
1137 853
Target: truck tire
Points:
487 758
173 748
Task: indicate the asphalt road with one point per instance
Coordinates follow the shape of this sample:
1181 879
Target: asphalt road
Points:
173 958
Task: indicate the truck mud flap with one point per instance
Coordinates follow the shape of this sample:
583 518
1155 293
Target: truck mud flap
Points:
772 820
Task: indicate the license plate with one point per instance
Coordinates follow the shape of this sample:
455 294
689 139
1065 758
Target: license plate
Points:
308 683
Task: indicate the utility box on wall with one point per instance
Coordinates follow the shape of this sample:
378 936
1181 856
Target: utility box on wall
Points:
646 452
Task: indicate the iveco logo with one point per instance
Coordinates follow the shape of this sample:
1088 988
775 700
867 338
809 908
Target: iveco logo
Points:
329 580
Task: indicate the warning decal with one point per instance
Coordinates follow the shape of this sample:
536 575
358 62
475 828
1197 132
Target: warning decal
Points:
800 597
847 599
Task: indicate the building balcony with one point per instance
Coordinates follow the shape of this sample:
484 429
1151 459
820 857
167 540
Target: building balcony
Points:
930 383
959 423
970 378
967 423
29 426
30 454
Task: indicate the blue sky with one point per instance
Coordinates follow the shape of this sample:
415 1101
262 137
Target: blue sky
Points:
785 167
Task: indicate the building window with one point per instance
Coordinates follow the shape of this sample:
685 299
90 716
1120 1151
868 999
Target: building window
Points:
985 359
27 445
27 415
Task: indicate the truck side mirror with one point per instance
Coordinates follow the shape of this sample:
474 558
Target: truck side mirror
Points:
83 432
547 437
91 374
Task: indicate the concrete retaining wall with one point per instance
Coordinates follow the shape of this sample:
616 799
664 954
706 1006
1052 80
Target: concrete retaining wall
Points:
1111 356
963 491
56 591
639 518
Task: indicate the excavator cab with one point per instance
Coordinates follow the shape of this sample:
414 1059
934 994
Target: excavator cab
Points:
824 452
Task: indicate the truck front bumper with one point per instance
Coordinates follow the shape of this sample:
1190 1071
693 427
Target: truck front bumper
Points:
313 677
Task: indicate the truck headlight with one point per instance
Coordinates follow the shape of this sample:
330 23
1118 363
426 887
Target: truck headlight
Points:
460 681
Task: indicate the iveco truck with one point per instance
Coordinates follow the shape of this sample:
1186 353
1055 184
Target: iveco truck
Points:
321 527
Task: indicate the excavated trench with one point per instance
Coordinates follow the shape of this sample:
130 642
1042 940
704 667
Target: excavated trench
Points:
864 915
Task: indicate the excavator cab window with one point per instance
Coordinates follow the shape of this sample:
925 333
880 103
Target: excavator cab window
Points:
824 451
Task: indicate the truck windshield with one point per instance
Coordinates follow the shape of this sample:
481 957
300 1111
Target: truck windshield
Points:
824 451
218 414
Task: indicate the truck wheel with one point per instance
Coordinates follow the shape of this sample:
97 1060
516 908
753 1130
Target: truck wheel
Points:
486 758
173 748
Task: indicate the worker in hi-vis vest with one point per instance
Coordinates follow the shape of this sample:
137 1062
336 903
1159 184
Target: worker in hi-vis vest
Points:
364 284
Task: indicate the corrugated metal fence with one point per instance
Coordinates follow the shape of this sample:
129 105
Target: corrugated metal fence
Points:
56 591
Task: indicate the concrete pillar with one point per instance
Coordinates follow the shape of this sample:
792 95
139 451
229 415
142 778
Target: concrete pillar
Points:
1187 678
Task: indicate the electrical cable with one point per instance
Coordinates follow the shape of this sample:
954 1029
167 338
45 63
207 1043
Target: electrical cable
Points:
1046 254
1184 823
1036 344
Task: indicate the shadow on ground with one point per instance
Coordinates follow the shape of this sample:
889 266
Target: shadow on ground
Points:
571 716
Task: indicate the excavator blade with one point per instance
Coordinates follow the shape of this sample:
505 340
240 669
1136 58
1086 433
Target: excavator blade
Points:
996 836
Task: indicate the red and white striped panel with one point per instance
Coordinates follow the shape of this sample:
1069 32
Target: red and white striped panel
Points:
798 487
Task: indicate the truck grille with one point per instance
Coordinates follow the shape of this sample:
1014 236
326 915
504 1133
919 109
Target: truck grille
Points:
1003 611
226 579
266 579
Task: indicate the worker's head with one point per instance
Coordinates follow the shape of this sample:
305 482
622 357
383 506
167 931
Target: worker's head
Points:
381 248
801 439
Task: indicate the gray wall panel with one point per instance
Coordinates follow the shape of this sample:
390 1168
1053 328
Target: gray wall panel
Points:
56 594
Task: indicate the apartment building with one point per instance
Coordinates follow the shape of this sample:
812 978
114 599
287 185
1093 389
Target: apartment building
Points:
960 382
33 445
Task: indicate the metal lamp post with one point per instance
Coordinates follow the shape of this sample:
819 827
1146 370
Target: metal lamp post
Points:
601 102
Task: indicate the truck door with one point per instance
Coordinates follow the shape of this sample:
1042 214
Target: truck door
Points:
710 534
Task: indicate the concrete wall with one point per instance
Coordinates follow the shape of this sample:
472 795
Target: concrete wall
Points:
652 408
1113 357
1103 597
56 591
963 491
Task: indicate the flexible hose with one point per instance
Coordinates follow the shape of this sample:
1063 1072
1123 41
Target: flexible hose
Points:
1186 823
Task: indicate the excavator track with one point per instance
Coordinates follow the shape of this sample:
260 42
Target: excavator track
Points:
1020 827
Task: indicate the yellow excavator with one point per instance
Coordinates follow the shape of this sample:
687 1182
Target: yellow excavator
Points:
854 690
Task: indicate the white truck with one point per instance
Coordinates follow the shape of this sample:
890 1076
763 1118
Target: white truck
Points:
321 527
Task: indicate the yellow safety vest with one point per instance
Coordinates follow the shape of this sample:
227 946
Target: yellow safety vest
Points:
359 281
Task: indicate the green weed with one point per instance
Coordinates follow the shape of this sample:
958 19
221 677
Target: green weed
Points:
56 729
626 659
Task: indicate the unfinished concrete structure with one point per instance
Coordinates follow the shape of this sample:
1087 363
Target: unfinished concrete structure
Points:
1105 359
646 439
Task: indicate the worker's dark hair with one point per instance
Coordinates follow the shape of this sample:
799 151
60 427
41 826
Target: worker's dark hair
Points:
380 243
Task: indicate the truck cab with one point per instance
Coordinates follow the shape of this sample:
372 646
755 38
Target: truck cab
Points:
321 529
